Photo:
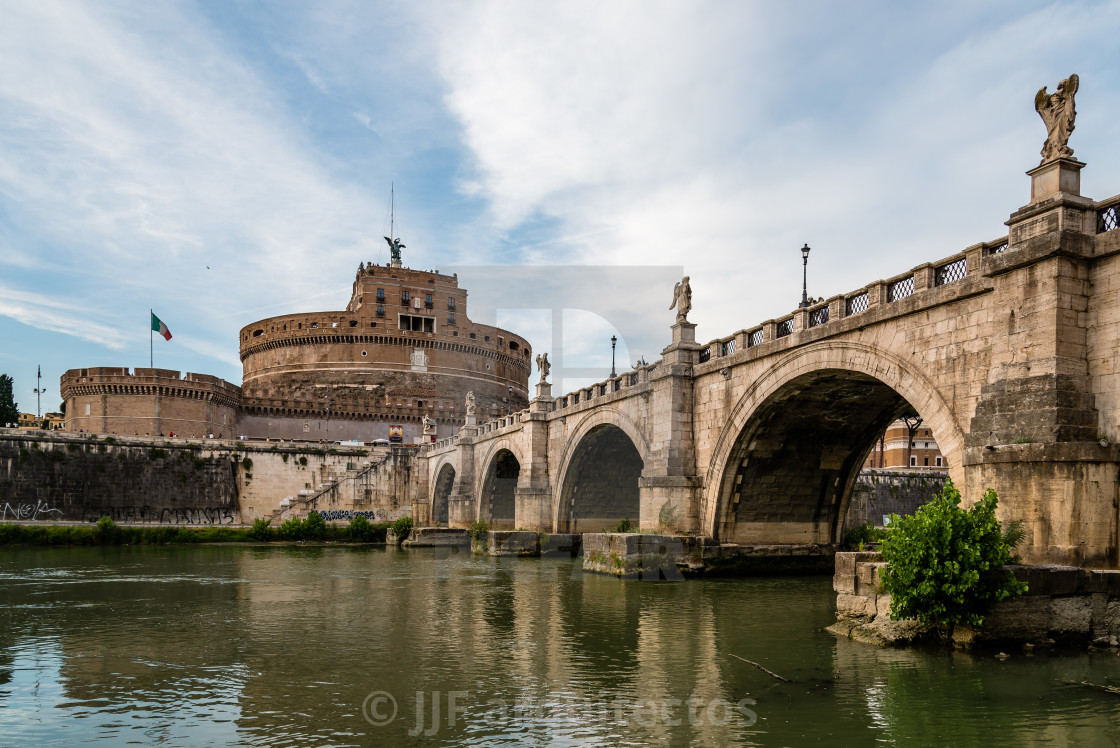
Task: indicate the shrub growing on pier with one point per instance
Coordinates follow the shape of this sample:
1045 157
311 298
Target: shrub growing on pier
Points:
402 528
623 526
361 530
477 529
944 563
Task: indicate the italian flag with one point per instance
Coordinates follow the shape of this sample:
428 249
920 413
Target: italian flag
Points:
158 326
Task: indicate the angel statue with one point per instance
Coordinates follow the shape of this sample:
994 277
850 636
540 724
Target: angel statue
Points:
682 300
1058 114
544 366
470 403
395 248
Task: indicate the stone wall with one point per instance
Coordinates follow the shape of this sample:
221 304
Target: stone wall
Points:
385 486
878 494
81 480
72 477
1063 604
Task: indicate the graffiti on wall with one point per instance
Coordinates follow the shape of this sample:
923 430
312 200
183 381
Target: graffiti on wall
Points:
164 516
345 515
38 510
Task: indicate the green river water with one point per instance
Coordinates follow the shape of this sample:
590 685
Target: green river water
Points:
286 645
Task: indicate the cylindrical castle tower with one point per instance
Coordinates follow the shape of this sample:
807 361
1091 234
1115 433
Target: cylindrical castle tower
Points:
403 349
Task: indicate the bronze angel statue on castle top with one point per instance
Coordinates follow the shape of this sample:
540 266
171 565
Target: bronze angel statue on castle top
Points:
1058 113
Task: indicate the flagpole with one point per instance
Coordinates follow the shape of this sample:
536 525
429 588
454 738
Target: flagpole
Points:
151 346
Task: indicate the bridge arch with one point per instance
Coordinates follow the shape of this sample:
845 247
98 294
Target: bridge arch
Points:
784 464
497 484
598 478
443 487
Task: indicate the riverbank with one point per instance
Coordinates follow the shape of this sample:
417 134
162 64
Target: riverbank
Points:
13 534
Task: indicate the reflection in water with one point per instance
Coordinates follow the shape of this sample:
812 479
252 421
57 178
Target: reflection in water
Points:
284 646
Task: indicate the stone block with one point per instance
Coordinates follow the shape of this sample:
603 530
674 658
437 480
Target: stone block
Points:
513 543
1018 618
1070 615
1050 579
844 584
854 606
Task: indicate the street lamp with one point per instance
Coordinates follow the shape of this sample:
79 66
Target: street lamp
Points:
804 276
614 342
38 394
509 400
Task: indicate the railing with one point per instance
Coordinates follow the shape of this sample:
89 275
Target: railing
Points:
900 289
755 338
856 304
995 249
727 347
818 317
705 355
785 327
1108 219
951 272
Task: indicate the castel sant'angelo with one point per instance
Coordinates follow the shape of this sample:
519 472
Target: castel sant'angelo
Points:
404 350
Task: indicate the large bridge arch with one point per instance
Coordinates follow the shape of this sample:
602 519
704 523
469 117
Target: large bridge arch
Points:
821 404
497 484
442 488
598 477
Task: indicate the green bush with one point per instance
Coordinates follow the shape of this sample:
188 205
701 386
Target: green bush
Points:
944 562
107 530
857 537
402 528
314 527
623 526
361 530
477 529
291 529
247 463
261 529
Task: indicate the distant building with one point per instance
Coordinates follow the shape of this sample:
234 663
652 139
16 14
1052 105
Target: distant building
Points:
907 447
403 350
28 421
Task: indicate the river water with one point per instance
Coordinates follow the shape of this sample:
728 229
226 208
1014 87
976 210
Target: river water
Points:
286 645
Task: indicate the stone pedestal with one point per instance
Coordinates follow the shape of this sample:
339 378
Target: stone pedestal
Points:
683 349
544 391
1060 176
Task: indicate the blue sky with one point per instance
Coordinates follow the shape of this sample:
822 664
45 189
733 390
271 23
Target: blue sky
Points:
221 162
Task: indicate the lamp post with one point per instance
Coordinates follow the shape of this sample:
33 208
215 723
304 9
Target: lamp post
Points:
614 342
509 400
804 276
38 394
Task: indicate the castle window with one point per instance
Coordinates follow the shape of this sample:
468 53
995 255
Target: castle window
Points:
913 461
513 345
314 325
380 311
428 301
451 303
937 461
473 336
451 318
364 353
404 297
487 338
381 294
258 333
353 323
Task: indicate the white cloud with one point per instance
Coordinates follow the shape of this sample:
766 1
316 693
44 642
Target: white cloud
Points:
51 314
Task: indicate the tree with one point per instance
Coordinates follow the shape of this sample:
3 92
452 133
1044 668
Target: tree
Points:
9 411
945 563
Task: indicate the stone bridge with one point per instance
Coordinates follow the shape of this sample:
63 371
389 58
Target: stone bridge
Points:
1007 349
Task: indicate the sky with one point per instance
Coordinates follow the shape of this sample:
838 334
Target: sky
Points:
221 162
